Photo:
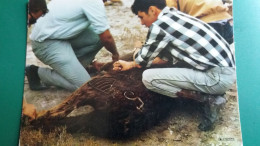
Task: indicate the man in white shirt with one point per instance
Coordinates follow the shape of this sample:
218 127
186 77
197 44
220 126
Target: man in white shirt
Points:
67 38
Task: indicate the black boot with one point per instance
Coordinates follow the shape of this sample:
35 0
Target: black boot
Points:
210 112
31 72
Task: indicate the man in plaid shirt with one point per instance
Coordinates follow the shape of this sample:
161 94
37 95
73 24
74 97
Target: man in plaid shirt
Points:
177 37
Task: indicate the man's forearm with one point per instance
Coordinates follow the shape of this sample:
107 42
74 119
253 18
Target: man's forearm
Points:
110 45
108 42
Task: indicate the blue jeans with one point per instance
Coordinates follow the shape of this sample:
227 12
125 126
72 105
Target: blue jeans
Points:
225 30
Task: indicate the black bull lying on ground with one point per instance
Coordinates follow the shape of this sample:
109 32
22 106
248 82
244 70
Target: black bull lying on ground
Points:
123 107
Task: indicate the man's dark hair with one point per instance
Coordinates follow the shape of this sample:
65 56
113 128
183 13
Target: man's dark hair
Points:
143 5
37 5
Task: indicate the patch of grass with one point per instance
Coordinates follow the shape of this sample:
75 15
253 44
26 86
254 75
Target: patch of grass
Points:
58 137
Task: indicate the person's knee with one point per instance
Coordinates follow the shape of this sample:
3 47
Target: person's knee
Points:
147 79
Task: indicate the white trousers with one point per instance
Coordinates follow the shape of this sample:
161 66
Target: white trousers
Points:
169 81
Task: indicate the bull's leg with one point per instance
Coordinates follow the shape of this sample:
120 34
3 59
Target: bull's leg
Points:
87 94
67 106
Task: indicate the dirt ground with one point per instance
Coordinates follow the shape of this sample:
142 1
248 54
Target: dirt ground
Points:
179 129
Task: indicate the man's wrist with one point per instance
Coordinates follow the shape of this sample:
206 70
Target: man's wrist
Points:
134 65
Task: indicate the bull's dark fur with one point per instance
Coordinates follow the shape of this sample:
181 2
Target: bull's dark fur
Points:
114 116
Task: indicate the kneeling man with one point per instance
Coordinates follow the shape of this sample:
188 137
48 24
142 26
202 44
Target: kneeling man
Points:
174 37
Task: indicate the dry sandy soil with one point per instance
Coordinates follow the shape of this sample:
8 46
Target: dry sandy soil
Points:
179 129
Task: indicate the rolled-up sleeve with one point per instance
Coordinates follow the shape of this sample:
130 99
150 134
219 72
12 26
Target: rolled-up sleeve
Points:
156 41
96 14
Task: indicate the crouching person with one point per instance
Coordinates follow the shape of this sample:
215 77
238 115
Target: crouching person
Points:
177 37
67 38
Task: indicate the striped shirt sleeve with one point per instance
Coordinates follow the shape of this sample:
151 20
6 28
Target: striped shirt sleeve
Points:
156 41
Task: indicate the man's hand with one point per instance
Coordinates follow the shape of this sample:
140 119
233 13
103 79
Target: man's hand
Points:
122 65
29 110
159 61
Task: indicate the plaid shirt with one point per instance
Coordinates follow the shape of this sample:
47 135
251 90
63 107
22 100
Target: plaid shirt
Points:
176 36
